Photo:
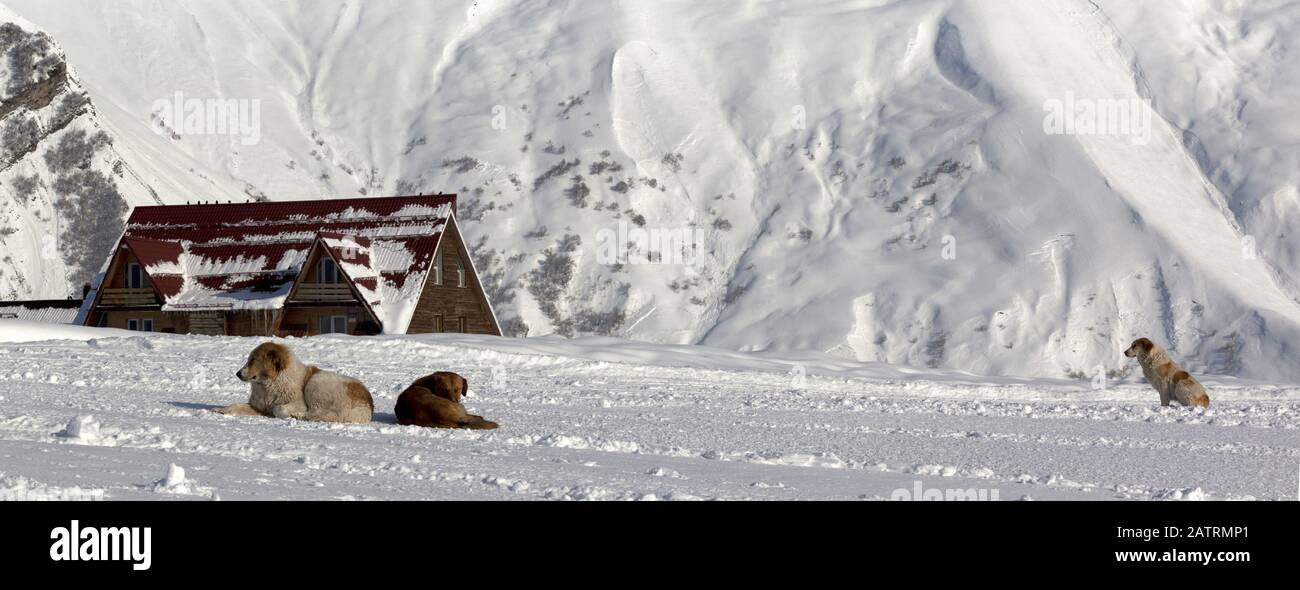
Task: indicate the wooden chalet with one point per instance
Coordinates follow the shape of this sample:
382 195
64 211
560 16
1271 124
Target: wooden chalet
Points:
395 265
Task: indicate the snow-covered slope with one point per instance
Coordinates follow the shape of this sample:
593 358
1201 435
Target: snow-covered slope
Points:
869 178
64 186
101 416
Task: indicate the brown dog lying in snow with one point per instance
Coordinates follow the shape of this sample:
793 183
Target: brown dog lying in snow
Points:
1167 379
434 402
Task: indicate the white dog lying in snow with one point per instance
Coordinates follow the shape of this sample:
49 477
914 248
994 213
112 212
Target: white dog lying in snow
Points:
283 387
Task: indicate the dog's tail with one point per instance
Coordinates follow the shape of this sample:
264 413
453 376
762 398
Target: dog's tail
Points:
473 422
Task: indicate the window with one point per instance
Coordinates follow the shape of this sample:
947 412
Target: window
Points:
437 270
328 272
145 325
333 324
460 278
461 327
437 323
134 276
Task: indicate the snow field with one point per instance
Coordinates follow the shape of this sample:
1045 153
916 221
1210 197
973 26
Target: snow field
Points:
130 416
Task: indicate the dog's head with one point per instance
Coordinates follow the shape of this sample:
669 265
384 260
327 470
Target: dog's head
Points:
265 363
1139 348
446 385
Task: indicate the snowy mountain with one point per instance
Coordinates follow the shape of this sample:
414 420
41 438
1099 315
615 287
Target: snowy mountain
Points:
64 187
917 182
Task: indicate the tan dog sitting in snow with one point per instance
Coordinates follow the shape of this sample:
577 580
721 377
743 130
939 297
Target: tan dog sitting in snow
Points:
1167 379
283 387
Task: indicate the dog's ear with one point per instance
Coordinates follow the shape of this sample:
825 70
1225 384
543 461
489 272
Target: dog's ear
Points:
464 386
276 359
1145 343
453 384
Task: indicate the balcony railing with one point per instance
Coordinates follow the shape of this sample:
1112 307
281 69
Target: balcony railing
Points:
128 297
323 292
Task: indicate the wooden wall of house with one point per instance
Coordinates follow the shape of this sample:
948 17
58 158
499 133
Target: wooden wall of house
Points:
116 277
311 271
443 307
207 323
305 321
110 317
235 323
250 323
176 323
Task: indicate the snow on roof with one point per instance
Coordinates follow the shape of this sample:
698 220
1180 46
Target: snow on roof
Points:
59 311
249 256
388 274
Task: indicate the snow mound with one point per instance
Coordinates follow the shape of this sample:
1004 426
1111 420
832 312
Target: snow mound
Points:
83 429
1188 495
177 483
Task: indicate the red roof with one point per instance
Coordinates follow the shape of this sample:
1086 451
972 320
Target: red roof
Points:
250 255
276 212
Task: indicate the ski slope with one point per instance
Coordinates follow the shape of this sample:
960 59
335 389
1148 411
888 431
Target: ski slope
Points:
101 413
